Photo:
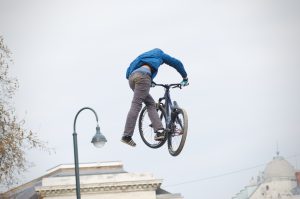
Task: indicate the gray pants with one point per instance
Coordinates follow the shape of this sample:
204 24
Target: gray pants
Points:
140 83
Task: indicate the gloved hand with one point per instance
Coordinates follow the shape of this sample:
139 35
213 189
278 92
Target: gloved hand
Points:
185 82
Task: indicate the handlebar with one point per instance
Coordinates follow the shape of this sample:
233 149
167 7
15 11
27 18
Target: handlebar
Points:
168 86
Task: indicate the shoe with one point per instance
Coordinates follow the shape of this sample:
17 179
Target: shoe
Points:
160 135
128 140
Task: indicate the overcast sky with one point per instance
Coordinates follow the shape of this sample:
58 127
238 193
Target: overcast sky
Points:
242 59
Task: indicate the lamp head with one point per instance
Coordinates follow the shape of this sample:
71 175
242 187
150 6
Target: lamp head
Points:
98 140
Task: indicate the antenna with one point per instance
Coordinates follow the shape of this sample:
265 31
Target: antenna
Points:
277 149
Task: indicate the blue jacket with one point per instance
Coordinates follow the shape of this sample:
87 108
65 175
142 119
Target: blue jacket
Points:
155 58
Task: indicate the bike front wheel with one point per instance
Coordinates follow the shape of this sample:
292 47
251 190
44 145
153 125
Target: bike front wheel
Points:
146 129
178 132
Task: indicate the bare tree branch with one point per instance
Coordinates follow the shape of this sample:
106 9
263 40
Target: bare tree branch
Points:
14 138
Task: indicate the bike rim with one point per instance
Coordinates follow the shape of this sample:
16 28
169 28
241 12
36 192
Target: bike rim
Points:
178 135
146 130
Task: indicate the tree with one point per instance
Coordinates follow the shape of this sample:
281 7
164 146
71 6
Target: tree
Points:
15 140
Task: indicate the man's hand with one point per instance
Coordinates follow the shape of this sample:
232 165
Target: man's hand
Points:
185 82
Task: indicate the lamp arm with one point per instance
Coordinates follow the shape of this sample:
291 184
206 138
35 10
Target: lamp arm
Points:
74 126
76 151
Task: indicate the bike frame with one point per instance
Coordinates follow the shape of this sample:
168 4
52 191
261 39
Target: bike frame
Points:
169 106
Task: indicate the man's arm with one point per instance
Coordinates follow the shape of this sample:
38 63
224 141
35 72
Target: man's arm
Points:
175 63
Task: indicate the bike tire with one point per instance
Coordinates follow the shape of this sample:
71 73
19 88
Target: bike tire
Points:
176 140
147 132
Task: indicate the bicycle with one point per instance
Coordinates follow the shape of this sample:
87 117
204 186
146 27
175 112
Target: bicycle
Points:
175 123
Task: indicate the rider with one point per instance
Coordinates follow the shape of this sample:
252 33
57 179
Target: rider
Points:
140 74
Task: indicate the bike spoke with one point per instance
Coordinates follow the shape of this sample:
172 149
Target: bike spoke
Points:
146 128
179 121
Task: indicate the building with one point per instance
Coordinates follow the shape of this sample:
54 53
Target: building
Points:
279 180
106 180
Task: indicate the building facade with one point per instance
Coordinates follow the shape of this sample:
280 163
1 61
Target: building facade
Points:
106 180
280 180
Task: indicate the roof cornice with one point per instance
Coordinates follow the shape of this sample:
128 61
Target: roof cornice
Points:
130 186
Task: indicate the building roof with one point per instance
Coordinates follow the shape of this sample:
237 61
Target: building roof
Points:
95 168
279 177
96 178
64 170
278 169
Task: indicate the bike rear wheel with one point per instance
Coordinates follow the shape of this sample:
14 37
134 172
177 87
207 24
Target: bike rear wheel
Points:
146 130
178 133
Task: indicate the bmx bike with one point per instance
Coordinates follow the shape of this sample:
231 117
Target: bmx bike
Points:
174 119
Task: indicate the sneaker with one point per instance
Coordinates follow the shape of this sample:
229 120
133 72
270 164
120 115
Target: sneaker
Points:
128 140
160 135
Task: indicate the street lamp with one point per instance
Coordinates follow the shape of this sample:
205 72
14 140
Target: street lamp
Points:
98 140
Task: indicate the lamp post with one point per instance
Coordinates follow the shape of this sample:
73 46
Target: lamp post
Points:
98 140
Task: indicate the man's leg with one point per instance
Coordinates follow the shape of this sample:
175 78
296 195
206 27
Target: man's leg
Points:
140 84
152 113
